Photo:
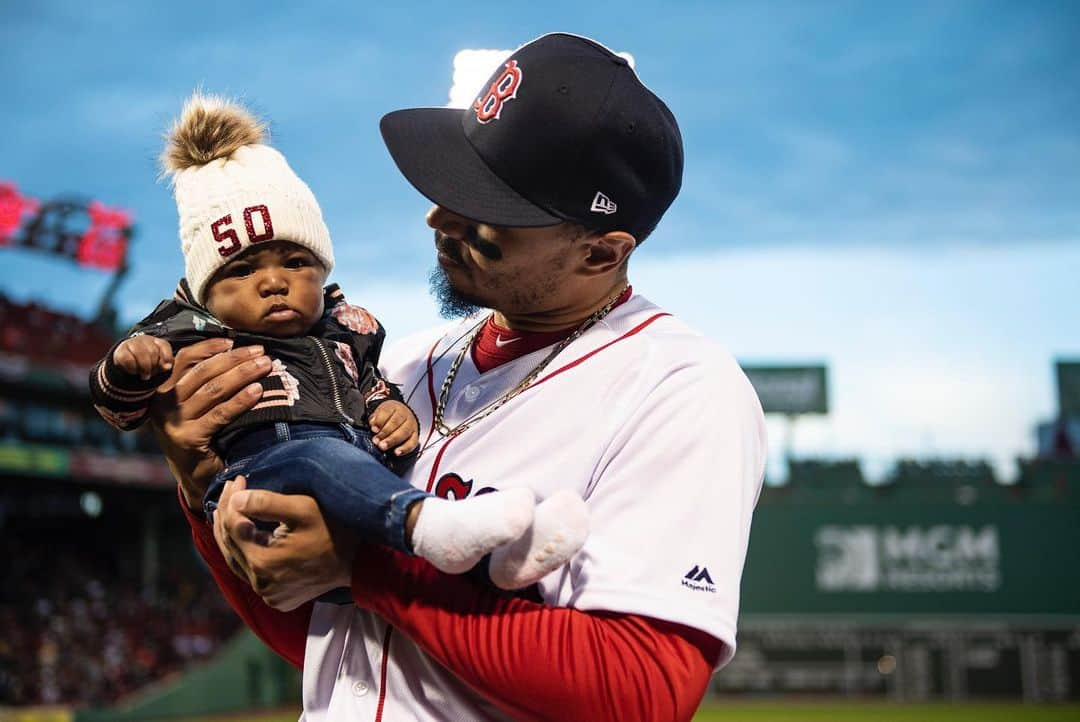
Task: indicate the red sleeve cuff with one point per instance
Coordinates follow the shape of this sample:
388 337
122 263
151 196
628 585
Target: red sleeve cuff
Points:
283 632
200 527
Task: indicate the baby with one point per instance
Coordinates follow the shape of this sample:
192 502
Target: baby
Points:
257 255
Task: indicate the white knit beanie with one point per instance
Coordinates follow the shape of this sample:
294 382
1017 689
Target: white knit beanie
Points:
233 191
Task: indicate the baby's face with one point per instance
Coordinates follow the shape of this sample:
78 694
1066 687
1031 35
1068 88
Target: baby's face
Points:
274 289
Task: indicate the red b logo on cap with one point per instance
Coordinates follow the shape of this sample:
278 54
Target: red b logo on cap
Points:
504 88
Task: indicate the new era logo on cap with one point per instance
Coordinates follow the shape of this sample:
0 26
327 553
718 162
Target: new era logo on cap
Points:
602 204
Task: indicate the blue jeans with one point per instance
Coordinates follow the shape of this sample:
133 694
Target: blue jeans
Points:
336 464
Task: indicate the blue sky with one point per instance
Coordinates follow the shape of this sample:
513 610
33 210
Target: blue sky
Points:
888 188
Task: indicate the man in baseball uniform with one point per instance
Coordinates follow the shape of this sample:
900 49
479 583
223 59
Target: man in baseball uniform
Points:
563 377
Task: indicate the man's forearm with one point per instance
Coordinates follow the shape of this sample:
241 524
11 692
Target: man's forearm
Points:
210 387
192 479
534 661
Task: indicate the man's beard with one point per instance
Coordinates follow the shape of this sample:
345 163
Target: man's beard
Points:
452 303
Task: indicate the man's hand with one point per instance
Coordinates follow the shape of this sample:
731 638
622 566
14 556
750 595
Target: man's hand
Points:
211 385
295 563
144 356
395 427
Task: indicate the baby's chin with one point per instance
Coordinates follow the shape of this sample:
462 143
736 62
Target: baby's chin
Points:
281 329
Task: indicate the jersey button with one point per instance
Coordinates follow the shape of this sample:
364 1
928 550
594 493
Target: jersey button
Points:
471 393
360 689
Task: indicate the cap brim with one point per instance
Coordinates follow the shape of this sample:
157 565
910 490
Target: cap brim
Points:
430 149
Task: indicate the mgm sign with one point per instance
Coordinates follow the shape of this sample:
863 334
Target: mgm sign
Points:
941 558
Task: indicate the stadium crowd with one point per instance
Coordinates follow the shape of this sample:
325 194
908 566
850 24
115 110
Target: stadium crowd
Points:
75 628
45 356
30 420
39 333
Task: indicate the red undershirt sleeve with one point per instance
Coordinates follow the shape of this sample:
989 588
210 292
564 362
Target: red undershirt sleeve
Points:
537 662
283 632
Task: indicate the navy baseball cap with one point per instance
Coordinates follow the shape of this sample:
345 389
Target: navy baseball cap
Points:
564 130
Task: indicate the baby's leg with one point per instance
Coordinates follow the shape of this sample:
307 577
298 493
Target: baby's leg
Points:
352 488
356 491
558 531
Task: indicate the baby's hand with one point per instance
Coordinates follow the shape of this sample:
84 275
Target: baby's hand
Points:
146 356
394 426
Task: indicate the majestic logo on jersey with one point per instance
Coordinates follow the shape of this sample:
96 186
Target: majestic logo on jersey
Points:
602 204
699 580
503 89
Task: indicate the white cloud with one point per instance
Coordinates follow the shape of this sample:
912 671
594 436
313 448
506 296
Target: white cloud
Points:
949 358
472 68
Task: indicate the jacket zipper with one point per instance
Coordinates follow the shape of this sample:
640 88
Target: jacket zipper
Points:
333 380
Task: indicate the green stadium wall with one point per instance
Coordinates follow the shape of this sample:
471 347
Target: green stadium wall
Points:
245 675
888 559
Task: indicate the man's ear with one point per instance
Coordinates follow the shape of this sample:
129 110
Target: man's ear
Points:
607 252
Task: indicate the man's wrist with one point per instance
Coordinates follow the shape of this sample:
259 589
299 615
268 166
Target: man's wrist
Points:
191 499
193 484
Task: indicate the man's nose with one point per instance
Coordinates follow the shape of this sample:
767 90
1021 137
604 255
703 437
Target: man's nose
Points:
448 222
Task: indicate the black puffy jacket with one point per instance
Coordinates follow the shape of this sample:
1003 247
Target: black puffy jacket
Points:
330 375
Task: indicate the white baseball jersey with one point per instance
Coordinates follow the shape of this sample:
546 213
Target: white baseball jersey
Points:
654 425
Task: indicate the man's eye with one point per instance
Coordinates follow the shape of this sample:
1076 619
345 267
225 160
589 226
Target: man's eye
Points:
297 262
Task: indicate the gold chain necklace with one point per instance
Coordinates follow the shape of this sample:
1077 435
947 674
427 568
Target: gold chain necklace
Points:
444 392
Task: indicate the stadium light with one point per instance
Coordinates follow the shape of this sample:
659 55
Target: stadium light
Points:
87 232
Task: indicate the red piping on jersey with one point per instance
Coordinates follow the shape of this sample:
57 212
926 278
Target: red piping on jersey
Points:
382 675
572 364
435 466
389 629
567 367
431 391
